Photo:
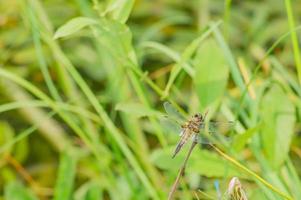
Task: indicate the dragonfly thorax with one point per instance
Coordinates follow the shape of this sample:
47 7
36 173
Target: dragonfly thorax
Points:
194 123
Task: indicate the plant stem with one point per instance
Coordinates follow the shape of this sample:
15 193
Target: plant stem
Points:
182 170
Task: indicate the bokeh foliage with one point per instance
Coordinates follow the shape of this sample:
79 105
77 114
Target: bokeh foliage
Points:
82 86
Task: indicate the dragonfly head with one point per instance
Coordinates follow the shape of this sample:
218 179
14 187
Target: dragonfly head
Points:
198 117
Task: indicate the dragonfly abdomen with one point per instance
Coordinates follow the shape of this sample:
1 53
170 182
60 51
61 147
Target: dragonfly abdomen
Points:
185 135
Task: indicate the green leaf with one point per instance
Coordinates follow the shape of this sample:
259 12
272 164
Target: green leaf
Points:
122 9
73 26
240 140
162 158
211 73
16 191
116 39
277 112
137 110
209 164
202 162
65 179
229 57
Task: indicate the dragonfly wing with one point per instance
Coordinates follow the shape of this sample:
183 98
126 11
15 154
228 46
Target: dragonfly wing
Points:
213 138
170 126
205 138
215 132
173 113
219 127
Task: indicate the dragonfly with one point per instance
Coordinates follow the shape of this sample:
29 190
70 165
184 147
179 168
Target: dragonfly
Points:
190 128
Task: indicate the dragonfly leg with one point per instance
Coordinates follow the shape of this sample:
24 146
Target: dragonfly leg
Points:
181 133
195 138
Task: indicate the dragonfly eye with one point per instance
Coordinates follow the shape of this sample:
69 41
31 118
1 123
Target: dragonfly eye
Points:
197 115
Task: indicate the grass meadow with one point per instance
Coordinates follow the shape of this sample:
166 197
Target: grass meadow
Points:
83 84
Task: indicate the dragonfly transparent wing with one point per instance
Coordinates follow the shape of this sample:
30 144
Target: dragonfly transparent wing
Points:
171 126
215 132
213 138
218 127
173 113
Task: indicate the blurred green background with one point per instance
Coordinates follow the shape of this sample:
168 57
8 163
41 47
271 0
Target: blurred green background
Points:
82 86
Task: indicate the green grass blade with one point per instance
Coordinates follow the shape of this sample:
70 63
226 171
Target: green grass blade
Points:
34 90
113 130
227 18
121 9
182 61
66 175
176 57
293 178
294 37
252 174
73 26
41 57
234 69
22 135
121 50
41 104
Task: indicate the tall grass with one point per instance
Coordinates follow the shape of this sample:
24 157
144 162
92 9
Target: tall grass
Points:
83 85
